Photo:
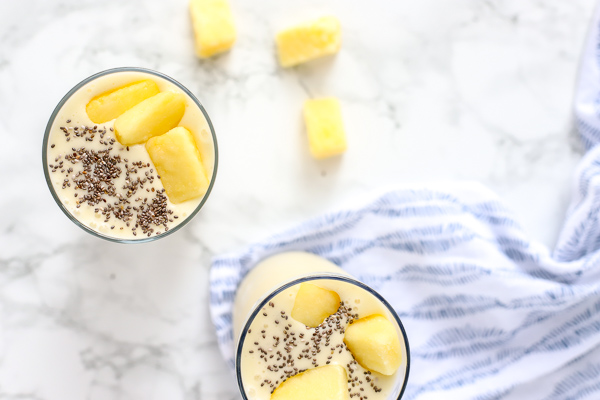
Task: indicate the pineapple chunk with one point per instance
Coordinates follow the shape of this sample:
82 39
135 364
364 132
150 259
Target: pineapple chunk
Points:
179 164
326 136
309 41
314 304
374 343
110 105
214 29
322 383
152 117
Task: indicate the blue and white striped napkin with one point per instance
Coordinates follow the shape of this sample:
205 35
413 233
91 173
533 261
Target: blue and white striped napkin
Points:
490 314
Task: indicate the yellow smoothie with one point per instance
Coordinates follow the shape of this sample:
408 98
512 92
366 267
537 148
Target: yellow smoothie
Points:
113 189
275 346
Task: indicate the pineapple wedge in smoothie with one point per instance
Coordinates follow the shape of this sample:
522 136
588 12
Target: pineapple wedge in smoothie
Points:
112 104
179 164
374 344
152 117
313 304
322 383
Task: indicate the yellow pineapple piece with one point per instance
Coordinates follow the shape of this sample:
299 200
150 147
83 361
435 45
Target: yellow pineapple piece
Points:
314 304
326 136
309 41
374 343
322 383
214 29
152 117
110 105
179 164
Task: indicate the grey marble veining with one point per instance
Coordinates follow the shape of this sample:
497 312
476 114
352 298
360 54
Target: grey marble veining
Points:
430 91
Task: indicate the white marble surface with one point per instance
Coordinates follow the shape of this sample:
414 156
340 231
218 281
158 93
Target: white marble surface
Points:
430 90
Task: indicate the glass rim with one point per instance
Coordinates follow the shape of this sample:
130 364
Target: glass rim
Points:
59 106
316 276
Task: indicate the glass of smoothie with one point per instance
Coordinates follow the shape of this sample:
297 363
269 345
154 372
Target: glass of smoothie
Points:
307 329
130 155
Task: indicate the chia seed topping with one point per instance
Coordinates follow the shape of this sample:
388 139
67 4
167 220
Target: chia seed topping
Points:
291 351
93 175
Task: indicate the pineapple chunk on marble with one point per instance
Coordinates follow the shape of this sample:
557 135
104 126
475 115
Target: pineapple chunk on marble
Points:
110 105
322 383
152 117
179 164
214 29
374 343
314 304
323 119
309 41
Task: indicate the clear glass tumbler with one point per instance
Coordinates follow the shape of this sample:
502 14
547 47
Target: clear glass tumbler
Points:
93 202
272 346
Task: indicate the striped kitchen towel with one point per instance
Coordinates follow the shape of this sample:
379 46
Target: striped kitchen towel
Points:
489 313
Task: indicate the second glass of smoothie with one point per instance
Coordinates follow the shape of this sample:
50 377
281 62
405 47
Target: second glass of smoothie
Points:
307 329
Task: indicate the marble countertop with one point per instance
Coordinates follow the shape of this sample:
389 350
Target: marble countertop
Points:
430 91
